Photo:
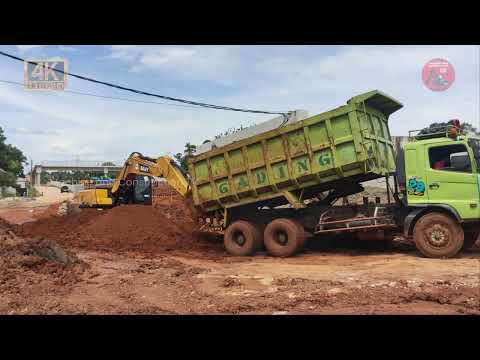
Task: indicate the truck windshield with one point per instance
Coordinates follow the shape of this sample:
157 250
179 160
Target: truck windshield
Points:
475 144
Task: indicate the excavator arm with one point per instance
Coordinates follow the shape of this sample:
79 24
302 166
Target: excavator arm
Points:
163 167
137 164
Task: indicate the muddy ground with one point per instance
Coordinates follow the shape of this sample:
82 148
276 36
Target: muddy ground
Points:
172 271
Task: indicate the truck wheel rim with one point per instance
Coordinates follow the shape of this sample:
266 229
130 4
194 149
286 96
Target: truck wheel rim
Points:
438 236
281 238
239 238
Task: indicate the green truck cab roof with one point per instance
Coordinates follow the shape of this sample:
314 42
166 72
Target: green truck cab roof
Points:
438 140
377 99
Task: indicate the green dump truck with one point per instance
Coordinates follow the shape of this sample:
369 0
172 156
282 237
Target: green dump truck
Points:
279 188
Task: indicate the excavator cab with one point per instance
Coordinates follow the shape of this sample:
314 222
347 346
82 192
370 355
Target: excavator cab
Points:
135 189
142 193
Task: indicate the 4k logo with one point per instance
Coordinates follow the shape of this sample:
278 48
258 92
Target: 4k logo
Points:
46 74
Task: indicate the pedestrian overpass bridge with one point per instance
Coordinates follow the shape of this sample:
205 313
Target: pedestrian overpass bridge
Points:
87 166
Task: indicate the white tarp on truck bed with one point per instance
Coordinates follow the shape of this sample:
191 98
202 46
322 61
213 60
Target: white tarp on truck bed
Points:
295 116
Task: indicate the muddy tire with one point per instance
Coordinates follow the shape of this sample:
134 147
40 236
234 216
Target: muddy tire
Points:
438 235
303 238
260 230
284 237
242 238
470 239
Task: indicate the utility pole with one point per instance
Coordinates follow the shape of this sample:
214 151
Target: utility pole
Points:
31 178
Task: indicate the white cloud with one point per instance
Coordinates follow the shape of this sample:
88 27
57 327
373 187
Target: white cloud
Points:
28 131
67 48
214 63
24 48
170 56
70 149
36 102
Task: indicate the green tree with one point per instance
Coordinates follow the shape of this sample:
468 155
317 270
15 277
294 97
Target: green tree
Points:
466 127
178 157
108 163
181 158
189 149
7 179
11 158
45 177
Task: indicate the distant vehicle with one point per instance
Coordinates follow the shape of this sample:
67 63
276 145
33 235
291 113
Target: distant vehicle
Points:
65 189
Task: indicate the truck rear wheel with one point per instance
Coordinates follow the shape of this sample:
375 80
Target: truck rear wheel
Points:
437 235
303 238
242 238
284 237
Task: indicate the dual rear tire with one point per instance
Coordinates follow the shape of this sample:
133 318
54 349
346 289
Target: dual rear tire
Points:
243 238
282 238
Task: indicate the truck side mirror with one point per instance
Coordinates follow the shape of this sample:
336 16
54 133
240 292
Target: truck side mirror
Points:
460 161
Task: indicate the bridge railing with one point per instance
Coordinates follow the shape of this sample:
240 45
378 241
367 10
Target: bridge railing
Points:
81 163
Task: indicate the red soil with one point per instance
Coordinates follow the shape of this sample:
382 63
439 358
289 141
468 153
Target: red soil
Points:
123 228
52 210
28 260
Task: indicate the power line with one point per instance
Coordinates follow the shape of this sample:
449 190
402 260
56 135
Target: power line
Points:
106 97
118 98
189 102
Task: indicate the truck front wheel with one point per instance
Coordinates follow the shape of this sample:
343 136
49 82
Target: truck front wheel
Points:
284 237
437 235
242 238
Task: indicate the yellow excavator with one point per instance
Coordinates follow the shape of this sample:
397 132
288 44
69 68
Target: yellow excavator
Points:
133 185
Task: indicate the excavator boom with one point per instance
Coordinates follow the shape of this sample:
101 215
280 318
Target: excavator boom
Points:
163 167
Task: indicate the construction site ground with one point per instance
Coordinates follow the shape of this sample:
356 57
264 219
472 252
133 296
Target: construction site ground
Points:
23 209
120 261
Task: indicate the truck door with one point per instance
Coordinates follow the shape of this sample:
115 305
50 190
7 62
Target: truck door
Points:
449 184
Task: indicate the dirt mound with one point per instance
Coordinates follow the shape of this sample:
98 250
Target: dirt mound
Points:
40 255
52 210
123 228
4 226
164 194
20 216
34 272
24 215
137 227
56 226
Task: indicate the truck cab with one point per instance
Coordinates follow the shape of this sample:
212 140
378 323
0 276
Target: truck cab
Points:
442 185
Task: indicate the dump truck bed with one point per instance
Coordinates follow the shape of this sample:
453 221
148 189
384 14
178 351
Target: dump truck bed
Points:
349 144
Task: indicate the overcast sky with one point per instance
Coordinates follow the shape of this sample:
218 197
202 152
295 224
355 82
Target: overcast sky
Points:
64 126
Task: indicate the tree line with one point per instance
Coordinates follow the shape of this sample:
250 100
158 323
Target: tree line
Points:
11 161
